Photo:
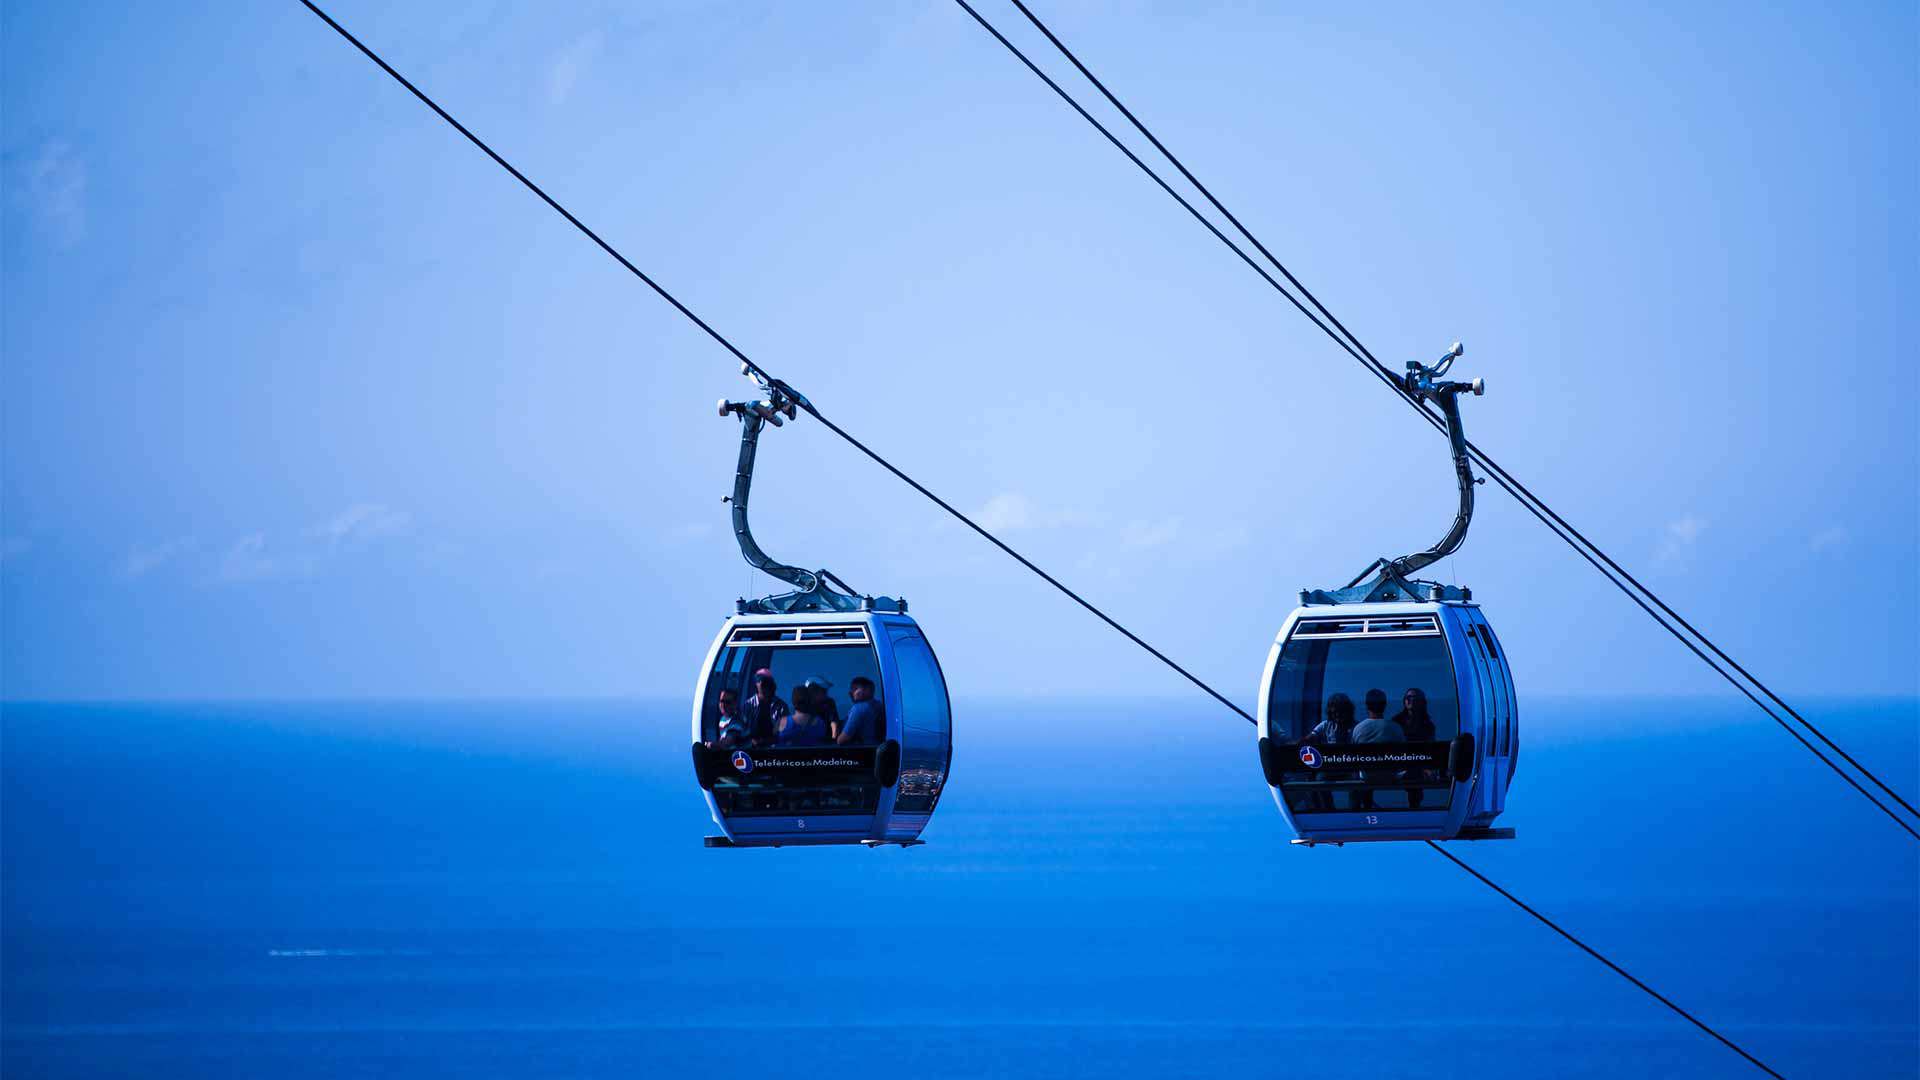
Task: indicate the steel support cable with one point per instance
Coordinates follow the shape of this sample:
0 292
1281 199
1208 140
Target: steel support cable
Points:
1157 179
1377 369
1507 481
1373 366
1485 460
917 486
1194 180
1615 968
1481 455
756 368
1029 564
1354 347
535 188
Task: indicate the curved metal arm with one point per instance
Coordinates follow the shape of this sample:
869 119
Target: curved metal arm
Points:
1390 579
1422 382
814 590
1447 394
750 424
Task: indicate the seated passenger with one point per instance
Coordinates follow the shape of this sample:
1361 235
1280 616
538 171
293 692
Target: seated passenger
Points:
866 720
1414 719
806 725
1336 728
732 727
829 708
1376 728
765 710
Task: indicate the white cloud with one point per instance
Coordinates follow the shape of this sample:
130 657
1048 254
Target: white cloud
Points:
1150 534
248 560
1011 510
1678 538
1123 552
53 188
147 558
362 522
254 558
1829 537
1219 541
572 62
1005 511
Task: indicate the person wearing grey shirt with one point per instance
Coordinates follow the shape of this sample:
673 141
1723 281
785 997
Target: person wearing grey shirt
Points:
1374 729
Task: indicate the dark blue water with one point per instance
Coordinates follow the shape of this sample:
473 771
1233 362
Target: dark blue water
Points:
519 890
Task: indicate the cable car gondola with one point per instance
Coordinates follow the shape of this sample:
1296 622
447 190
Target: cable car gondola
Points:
1387 708
821 715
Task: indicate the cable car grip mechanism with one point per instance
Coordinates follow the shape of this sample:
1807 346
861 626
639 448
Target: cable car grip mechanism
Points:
812 591
1387 580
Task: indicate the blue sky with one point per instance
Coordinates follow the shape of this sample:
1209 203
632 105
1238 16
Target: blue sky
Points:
304 398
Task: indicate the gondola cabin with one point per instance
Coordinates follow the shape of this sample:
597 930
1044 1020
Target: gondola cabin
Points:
1387 709
1436 759
869 764
820 715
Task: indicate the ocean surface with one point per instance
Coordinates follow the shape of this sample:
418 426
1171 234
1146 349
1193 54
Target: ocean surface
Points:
519 890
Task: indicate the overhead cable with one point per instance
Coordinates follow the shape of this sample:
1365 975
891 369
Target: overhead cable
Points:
1591 951
943 504
1351 344
757 369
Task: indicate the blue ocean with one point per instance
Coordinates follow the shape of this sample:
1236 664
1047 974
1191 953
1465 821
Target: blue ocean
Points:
519 890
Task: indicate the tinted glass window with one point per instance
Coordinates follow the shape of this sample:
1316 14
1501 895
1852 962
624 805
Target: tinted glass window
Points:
924 705
1513 700
792 761
830 667
1502 702
1312 670
1489 708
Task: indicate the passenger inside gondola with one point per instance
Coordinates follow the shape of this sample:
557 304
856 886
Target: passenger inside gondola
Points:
807 724
1413 717
831 700
829 708
1417 723
1376 728
765 710
1315 685
731 729
867 720
1336 728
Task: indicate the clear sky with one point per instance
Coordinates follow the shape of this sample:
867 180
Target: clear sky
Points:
304 398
